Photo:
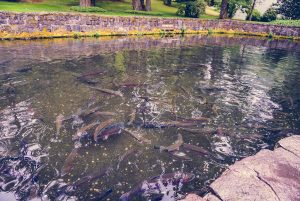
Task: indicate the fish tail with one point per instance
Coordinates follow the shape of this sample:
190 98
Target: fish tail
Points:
125 197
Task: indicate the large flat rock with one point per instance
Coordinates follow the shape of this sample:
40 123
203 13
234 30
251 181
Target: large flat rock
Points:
267 176
291 144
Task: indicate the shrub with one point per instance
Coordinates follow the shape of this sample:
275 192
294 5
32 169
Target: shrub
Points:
255 16
181 10
168 2
289 8
269 15
192 9
87 9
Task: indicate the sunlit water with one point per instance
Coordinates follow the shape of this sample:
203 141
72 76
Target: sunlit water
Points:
248 90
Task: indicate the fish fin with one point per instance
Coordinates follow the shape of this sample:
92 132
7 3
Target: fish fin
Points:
125 197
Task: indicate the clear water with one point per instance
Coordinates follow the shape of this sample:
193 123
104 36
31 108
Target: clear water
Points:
247 88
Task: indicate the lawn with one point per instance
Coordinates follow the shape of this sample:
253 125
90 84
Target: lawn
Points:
287 22
117 8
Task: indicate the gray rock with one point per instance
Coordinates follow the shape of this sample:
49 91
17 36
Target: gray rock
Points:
291 144
268 176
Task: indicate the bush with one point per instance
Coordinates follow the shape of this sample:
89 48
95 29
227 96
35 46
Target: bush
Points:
192 9
87 9
181 10
269 15
168 2
255 16
290 8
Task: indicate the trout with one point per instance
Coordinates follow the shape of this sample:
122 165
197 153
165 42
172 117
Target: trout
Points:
108 91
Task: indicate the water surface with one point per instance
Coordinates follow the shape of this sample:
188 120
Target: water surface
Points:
246 90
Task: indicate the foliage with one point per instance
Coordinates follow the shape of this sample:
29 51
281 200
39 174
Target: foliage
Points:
87 9
181 10
234 5
269 15
256 16
217 3
290 9
167 2
192 9
139 12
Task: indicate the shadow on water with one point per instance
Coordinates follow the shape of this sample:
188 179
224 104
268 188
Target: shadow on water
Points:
139 118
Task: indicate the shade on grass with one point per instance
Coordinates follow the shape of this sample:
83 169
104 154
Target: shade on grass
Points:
117 8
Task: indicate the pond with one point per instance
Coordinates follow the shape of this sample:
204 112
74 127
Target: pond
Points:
139 118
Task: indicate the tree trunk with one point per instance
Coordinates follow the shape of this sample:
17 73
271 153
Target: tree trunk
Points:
148 5
224 9
93 2
85 3
137 5
252 9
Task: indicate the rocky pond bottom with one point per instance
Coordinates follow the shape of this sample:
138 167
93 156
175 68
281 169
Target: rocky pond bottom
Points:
139 118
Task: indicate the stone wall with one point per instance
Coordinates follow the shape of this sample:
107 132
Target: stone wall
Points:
23 25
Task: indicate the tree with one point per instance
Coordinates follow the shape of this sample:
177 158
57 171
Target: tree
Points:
192 9
252 9
140 5
137 5
290 8
148 5
224 9
229 7
85 3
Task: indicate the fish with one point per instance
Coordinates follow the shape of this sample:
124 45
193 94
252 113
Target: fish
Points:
179 124
147 99
193 119
180 155
24 70
114 81
108 131
108 91
194 148
68 165
101 126
157 185
59 120
87 112
103 195
184 90
91 73
125 155
80 133
153 125
203 130
138 137
87 80
92 177
174 147
105 113
132 117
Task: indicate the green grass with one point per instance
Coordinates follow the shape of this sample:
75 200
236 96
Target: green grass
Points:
286 22
116 8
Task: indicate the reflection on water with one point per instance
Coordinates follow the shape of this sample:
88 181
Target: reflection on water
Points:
138 118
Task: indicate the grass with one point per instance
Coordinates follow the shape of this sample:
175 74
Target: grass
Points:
286 22
116 8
